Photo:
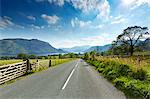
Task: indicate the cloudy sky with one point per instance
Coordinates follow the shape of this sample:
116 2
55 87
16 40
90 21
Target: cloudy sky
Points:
68 23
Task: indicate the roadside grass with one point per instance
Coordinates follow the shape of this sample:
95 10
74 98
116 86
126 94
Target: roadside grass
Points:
132 62
142 53
126 75
6 62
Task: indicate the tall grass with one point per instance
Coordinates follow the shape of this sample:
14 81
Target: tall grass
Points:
135 63
6 62
128 74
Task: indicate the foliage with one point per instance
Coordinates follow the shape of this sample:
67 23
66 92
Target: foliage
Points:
86 56
22 56
128 40
133 83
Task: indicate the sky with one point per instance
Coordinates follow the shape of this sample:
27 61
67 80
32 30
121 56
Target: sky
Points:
68 23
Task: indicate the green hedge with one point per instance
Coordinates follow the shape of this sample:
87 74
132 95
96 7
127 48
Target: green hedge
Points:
134 84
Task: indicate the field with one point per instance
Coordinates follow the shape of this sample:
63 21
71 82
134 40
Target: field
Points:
5 62
54 61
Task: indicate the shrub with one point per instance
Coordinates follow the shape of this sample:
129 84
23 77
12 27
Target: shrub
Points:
133 88
140 74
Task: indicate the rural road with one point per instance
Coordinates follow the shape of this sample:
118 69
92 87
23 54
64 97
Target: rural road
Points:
72 80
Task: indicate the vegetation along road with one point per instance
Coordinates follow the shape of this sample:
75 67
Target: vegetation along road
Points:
72 80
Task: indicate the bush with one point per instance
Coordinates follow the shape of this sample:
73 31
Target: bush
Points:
133 88
140 74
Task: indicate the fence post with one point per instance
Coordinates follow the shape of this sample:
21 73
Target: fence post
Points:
28 66
50 63
37 66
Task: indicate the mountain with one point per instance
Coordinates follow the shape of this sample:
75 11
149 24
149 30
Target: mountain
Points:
145 45
76 48
99 48
32 46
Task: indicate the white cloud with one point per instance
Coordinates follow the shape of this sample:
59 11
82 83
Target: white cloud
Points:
134 3
6 22
118 19
86 6
104 10
98 40
80 23
50 19
102 7
31 17
57 2
85 24
35 27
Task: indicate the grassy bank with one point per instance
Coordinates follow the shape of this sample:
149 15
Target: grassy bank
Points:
134 82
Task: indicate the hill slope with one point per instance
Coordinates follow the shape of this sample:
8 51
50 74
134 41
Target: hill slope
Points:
99 48
77 48
33 46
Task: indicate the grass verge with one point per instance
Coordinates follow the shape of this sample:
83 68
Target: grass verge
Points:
135 84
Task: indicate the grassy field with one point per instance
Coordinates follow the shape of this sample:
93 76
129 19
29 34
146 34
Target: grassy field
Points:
6 62
54 61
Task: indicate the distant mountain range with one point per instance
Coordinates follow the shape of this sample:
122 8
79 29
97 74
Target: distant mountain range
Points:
32 46
99 48
77 48
88 48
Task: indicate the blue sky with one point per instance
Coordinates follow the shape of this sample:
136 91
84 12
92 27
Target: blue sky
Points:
68 23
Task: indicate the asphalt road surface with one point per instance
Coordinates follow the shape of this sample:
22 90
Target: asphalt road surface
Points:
72 80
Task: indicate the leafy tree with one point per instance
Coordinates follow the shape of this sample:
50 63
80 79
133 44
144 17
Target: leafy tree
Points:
43 57
22 56
60 56
93 54
32 56
71 55
86 56
130 37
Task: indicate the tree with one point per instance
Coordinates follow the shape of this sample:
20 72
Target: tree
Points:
130 37
60 56
86 56
32 56
22 56
93 54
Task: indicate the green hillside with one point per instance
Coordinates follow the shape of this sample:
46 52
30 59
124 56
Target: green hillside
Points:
33 46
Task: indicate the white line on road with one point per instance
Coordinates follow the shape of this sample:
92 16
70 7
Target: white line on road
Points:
64 86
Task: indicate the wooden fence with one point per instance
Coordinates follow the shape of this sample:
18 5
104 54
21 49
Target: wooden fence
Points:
12 71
